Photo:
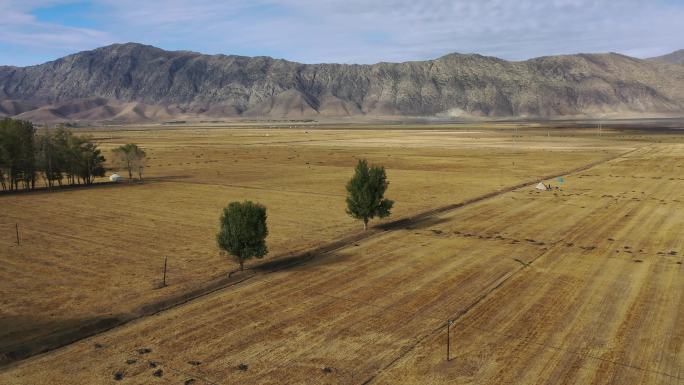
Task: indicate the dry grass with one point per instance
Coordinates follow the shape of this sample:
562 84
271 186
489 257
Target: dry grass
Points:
584 310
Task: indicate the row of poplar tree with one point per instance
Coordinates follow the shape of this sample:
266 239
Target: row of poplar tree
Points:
56 156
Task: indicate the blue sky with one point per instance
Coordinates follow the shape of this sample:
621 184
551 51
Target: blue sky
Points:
345 31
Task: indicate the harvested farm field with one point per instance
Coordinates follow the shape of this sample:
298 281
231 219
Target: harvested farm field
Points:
580 284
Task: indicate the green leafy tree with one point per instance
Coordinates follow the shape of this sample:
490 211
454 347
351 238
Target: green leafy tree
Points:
4 164
80 158
90 161
130 157
66 144
17 149
243 231
365 193
49 158
3 178
3 184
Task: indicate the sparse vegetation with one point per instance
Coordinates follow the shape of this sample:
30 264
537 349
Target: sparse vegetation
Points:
131 158
243 231
366 191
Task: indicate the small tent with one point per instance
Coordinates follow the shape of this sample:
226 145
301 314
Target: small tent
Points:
541 186
115 178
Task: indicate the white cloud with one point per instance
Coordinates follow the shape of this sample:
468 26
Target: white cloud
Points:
367 31
19 27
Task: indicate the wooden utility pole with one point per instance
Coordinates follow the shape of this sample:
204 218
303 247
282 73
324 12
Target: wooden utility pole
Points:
449 323
164 279
17 227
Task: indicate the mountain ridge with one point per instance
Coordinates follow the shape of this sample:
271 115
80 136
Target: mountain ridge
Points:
676 57
160 84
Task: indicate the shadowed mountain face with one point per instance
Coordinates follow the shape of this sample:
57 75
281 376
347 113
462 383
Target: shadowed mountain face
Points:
134 82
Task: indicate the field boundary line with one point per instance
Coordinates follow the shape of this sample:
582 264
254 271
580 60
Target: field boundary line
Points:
67 337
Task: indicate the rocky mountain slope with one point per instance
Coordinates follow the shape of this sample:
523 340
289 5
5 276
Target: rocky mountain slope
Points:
134 82
676 57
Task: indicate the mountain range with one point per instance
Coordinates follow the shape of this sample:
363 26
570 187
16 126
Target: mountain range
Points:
137 83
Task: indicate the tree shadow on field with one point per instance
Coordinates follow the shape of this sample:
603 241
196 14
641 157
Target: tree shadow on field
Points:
414 224
301 261
63 188
24 336
326 253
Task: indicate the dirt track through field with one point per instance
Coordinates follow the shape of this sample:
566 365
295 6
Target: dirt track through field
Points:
294 260
609 222
490 291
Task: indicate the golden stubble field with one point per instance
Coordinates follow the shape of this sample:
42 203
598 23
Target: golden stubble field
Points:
578 286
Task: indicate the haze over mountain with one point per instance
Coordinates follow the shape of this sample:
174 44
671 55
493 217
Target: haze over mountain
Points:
133 82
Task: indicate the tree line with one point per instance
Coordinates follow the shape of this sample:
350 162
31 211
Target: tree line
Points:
56 156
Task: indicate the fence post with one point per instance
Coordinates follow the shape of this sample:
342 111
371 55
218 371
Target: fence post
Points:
449 322
164 279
